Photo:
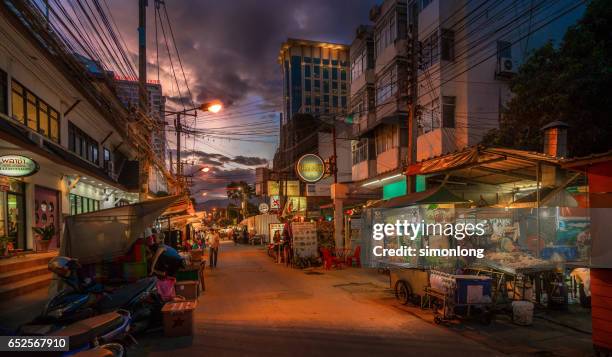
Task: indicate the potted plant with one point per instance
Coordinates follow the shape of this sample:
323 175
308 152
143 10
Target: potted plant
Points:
45 234
4 246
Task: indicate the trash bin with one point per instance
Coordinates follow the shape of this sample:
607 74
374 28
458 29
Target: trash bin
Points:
522 313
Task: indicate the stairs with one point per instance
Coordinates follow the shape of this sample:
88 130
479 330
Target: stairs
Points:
23 274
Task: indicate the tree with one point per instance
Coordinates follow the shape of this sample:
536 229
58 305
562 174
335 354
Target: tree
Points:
240 191
570 83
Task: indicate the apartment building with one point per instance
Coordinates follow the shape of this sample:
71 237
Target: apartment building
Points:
128 92
62 125
468 52
379 97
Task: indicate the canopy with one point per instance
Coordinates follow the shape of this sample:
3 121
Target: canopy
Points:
436 195
109 233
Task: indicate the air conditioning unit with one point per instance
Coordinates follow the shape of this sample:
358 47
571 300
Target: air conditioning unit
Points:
36 138
507 66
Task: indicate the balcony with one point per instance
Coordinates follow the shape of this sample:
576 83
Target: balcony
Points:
389 54
359 83
387 160
364 170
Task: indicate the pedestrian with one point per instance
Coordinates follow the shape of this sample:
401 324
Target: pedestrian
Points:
214 248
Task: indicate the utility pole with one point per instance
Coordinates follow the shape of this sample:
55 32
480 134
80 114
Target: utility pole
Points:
144 165
335 157
179 128
412 117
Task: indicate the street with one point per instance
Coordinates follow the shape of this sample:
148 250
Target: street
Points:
254 307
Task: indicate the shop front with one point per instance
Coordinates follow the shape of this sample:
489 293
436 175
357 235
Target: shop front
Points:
12 212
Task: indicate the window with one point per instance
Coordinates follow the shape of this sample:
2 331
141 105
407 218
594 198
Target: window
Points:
30 110
334 74
358 65
335 101
307 85
80 204
386 33
308 100
447 45
343 101
424 3
359 151
386 138
82 144
429 51
3 92
317 71
326 87
307 71
343 74
386 86
430 116
317 85
504 49
325 73
448 112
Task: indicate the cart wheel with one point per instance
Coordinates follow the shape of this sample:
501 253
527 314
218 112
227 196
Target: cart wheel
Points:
437 320
403 292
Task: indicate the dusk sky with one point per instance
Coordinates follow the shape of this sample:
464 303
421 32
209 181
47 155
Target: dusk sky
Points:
229 52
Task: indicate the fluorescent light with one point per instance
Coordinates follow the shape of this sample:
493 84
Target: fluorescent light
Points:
370 183
390 177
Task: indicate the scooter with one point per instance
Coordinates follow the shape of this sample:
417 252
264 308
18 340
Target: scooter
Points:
112 327
84 299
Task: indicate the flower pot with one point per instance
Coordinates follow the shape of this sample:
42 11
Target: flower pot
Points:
43 245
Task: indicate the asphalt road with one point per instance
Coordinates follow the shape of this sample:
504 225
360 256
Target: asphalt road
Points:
254 307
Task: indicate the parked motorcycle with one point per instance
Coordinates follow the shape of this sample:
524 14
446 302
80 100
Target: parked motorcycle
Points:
112 327
83 299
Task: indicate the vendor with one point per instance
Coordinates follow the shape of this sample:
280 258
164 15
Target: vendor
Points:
166 260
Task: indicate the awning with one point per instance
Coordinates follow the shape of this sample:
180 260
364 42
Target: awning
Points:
486 165
102 235
437 195
180 207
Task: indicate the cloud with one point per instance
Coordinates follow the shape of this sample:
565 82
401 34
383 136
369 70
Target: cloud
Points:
250 161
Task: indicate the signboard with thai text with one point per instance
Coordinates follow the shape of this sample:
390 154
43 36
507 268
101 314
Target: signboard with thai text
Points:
17 166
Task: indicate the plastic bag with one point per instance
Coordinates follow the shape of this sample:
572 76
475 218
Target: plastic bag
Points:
165 288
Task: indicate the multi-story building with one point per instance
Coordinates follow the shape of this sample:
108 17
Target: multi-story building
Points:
469 50
69 129
315 86
379 96
128 92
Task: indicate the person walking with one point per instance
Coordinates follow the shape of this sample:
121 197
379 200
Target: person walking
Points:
214 241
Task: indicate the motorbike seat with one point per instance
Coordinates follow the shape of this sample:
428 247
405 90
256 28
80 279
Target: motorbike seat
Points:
124 294
82 332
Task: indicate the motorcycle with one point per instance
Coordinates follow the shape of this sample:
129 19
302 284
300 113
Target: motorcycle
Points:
84 299
111 328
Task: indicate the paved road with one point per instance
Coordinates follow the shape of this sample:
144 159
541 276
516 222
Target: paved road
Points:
254 307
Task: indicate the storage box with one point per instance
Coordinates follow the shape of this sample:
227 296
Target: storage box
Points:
197 255
472 289
190 273
178 318
187 289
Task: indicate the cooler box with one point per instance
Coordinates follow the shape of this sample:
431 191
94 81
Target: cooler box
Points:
471 289
187 289
178 318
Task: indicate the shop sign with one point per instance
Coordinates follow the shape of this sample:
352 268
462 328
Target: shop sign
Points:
274 202
310 168
17 166
289 188
264 208
304 239
318 189
273 188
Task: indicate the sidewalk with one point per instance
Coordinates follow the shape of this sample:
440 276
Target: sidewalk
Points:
552 333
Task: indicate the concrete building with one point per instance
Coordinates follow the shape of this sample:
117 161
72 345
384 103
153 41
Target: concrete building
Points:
72 127
128 93
379 96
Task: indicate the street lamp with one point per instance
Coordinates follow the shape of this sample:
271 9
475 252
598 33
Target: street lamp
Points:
213 107
205 169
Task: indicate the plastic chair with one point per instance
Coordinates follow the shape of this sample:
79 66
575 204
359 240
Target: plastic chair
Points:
329 261
356 257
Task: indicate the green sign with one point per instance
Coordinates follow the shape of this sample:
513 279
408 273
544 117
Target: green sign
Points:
310 168
17 166
394 189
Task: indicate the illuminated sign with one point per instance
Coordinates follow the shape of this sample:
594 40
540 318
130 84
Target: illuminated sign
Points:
310 168
289 188
17 166
274 202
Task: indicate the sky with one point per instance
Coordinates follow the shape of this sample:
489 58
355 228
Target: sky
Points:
229 52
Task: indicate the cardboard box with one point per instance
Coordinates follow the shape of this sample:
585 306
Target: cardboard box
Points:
178 318
187 289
